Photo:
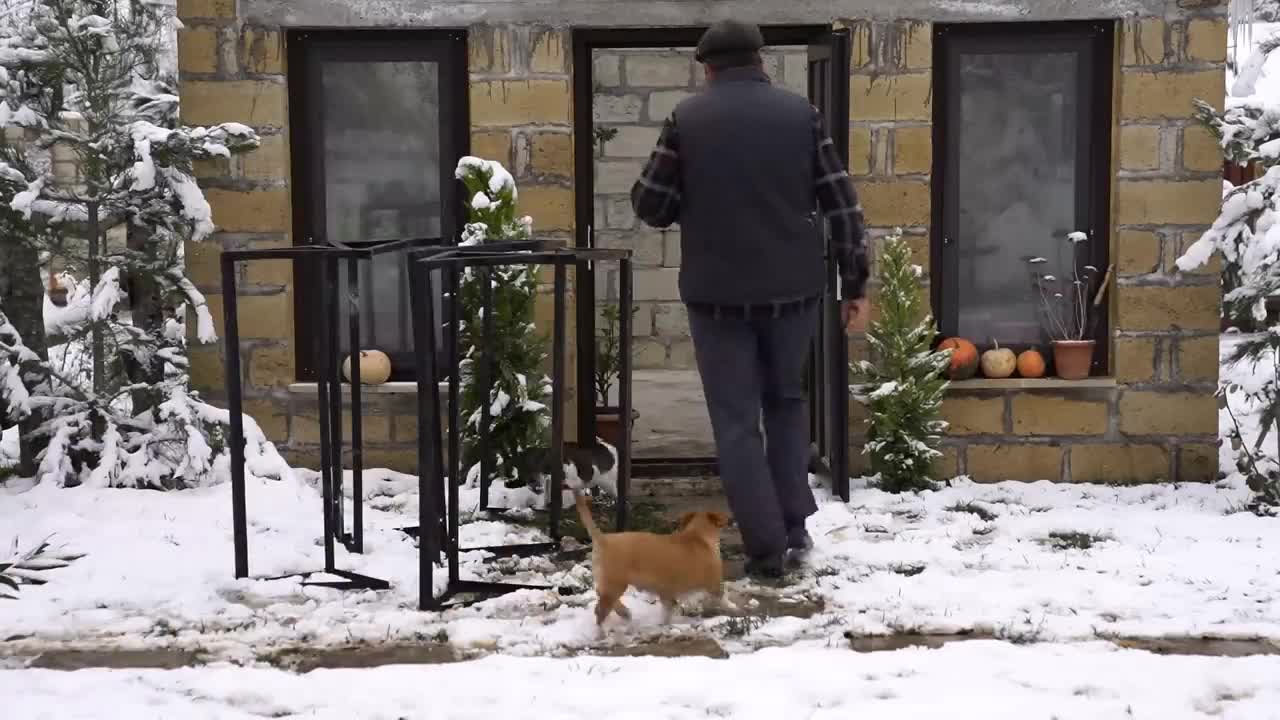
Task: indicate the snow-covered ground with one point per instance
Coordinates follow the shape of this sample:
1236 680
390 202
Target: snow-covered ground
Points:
980 680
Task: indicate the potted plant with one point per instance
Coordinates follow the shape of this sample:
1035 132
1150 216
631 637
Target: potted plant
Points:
1071 306
608 365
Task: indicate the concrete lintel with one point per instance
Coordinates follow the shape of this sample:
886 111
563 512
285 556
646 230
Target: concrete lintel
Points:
659 13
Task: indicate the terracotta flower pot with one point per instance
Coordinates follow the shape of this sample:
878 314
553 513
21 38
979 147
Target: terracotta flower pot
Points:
609 424
1072 358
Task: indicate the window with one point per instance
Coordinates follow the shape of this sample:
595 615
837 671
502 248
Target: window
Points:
1022 129
379 120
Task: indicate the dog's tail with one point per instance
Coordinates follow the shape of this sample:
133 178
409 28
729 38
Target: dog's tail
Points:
584 514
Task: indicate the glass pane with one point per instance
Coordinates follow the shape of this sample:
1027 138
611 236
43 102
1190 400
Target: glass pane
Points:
382 179
1017 178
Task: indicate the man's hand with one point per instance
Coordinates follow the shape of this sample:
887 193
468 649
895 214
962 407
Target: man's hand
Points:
854 314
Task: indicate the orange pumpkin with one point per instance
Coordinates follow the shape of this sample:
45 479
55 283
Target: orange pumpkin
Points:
964 358
1031 364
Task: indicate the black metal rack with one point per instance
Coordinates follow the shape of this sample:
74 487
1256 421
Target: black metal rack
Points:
438 489
329 260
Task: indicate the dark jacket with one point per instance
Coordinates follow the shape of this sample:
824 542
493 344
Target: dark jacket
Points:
743 167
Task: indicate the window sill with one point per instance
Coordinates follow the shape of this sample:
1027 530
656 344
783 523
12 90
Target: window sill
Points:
390 388
1032 384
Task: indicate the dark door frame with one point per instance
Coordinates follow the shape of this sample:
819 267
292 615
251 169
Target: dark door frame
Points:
307 50
585 40
1094 41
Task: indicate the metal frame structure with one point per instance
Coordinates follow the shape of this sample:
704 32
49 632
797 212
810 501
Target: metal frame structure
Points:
329 258
438 489
829 60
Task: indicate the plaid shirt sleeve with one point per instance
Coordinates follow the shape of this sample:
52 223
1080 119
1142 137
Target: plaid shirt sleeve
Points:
839 204
655 197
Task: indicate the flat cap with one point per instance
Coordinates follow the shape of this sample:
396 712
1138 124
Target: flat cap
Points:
729 40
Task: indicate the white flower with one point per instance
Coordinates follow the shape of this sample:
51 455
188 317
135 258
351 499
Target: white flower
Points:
1090 268
1077 237
1049 278
1037 261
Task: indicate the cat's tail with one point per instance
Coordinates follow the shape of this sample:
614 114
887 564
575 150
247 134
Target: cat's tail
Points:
584 514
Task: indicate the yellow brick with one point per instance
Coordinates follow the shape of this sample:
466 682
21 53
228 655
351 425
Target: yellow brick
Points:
492 145
269 272
268 161
198 50
400 460
262 51
405 428
1200 150
1197 463
1180 413
490 49
947 466
1135 359
373 429
1168 94
1165 202
218 167
895 203
1035 414
549 52
1165 308
918 51
650 353
1207 40
994 463
253 211
519 102
271 416
973 415
860 151
550 206
253 102
1119 463
552 154
1137 252
271 367
1140 147
891 97
912 150
1197 359
1143 42
204 265
208 374
206 8
267 317
861 41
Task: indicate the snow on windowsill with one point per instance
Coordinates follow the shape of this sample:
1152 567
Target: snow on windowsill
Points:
1031 383
390 388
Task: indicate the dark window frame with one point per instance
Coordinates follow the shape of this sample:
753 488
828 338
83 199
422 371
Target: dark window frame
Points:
307 51
1096 42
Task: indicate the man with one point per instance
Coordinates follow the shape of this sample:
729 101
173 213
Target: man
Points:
742 167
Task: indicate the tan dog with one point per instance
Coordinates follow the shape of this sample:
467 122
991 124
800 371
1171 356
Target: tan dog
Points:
670 566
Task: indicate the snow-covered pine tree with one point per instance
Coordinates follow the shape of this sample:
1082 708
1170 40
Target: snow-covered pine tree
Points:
902 388
81 78
516 354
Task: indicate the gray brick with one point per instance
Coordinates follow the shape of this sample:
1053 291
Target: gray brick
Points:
606 70
600 218
658 71
615 177
671 248
662 102
641 322
645 249
657 284
671 320
618 213
632 142
795 70
616 108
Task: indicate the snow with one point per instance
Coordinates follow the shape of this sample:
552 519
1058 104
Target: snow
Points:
973 680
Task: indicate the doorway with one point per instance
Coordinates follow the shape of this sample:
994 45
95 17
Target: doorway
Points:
626 82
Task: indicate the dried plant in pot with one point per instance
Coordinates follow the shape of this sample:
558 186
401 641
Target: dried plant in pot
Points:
608 365
1071 306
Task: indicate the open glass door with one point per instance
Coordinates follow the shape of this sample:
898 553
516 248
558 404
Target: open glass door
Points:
829 362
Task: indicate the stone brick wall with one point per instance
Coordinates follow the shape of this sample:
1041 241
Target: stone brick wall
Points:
635 91
1156 418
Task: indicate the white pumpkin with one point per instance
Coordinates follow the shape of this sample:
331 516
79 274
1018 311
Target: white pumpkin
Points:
375 367
998 362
